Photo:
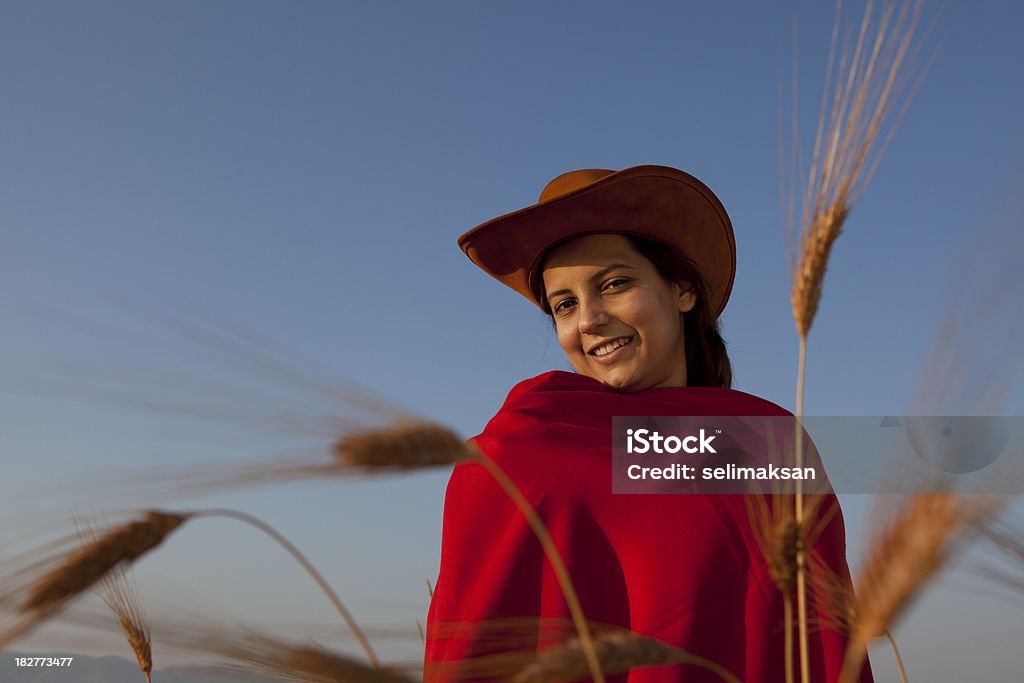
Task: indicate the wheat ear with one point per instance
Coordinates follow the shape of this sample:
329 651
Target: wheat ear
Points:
123 600
617 651
845 157
87 565
911 550
312 663
79 570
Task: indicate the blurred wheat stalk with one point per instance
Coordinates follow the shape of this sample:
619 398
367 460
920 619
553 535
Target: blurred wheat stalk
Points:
923 531
53 579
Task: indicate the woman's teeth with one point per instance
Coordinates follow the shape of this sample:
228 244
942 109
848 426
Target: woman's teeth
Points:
605 349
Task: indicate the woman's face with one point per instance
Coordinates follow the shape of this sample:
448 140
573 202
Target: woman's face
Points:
618 320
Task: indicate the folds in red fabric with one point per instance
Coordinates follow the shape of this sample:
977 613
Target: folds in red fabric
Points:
685 569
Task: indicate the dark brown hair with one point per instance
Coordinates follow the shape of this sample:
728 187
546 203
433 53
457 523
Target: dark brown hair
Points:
707 360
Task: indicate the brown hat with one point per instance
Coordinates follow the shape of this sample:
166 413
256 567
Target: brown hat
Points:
658 202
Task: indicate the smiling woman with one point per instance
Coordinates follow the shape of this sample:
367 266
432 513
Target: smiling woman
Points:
618 320
634 268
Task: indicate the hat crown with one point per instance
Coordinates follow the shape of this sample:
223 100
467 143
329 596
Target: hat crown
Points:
571 181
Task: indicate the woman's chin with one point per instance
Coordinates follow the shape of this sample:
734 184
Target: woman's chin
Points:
617 378
619 381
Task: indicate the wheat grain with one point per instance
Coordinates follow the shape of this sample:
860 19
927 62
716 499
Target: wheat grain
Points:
908 553
847 146
810 275
617 651
84 567
122 598
786 544
311 663
68 575
403 447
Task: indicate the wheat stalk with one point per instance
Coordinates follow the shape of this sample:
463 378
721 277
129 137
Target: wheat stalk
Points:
122 545
306 564
417 445
540 530
845 157
82 568
783 540
311 663
909 552
781 536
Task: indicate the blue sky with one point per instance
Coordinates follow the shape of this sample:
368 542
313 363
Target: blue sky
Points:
304 169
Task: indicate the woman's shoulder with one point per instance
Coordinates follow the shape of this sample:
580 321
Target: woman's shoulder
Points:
556 380
714 400
734 397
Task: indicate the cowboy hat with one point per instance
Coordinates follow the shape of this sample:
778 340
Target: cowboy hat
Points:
659 202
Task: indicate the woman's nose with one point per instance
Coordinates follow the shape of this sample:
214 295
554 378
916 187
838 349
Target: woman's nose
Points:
592 315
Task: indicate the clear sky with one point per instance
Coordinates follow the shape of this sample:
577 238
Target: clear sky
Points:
304 169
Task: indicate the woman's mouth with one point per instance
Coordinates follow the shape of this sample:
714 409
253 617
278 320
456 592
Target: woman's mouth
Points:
611 351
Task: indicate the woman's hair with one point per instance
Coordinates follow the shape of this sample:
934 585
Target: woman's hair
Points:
707 360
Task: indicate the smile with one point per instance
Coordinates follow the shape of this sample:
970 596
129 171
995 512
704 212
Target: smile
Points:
610 347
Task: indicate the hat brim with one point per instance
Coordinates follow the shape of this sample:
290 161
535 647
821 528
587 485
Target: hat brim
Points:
659 202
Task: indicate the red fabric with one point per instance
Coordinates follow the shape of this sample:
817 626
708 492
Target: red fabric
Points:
685 569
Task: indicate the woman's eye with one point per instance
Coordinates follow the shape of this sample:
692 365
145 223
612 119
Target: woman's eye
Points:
616 282
563 305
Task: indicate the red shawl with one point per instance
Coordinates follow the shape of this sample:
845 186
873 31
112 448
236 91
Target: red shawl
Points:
685 569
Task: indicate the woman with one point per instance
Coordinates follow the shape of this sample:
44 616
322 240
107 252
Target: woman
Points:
634 267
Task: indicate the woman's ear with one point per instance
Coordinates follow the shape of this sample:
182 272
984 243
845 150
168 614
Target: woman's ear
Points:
686 297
